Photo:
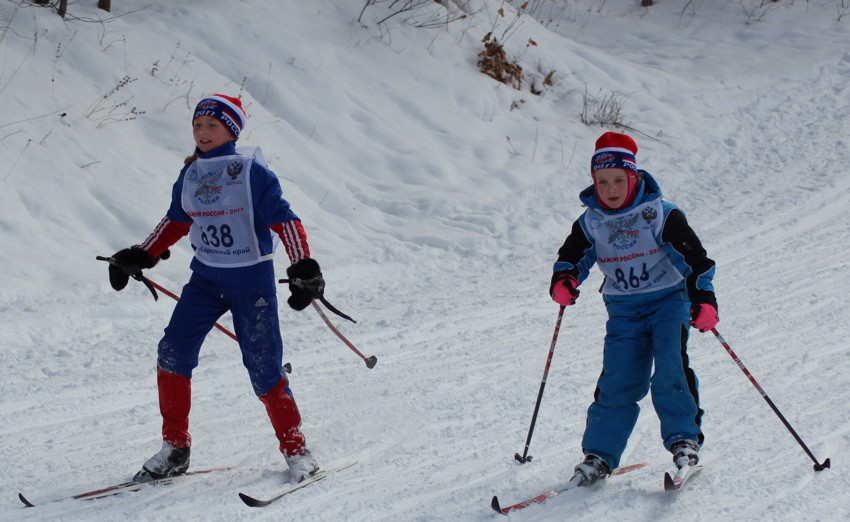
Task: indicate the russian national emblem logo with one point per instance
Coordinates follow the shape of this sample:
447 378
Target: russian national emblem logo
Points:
648 214
234 169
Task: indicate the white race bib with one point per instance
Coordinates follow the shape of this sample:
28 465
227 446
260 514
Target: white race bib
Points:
217 196
628 252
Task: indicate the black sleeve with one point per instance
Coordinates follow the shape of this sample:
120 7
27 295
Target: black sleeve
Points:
679 235
574 249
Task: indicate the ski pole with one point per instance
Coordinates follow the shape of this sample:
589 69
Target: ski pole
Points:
174 296
153 286
286 367
525 456
319 294
818 466
370 361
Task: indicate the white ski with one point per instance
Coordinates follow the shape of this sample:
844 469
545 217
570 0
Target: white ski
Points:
255 502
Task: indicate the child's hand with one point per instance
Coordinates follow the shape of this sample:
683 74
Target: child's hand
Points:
704 317
563 289
130 262
306 283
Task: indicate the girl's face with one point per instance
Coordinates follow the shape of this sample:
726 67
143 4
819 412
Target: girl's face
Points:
209 133
612 187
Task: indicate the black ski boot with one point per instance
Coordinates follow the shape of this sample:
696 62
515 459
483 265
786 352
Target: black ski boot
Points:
593 468
685 453
170 461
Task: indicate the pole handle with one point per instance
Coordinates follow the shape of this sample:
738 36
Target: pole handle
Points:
317 295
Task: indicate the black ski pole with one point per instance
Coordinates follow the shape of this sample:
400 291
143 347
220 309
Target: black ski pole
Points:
818 466
525 456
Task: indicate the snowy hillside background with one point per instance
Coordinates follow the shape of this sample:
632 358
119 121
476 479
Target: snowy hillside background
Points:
435 199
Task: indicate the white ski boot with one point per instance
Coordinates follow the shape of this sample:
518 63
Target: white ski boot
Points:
301 466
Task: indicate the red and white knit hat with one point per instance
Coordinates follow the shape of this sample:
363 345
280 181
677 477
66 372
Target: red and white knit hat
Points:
616 151
225 108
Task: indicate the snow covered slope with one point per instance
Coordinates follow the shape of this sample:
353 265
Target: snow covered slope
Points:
435 199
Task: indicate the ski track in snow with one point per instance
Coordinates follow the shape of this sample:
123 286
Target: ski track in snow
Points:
437 234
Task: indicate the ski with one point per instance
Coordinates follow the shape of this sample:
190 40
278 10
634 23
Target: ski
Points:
551 493
256 502
124 487
676 481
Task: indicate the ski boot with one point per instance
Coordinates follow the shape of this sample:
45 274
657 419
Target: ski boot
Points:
301 466
685 453
593 468
168 462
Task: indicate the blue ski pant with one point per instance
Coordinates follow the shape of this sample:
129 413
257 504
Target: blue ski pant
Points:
645 350
256 325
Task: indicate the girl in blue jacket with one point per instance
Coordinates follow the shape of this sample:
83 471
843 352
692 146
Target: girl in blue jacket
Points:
658 283
232 207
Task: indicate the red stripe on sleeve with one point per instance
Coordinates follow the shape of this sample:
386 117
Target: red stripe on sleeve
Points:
294 239
165 234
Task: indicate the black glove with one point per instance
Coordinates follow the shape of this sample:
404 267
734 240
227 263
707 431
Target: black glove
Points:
130 262
305 283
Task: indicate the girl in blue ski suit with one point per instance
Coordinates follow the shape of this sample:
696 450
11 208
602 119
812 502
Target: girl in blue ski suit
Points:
232 207
658 281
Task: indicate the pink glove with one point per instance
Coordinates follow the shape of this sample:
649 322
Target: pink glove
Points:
704 317
564 291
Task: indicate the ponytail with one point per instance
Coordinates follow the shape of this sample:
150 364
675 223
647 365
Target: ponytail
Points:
190 159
